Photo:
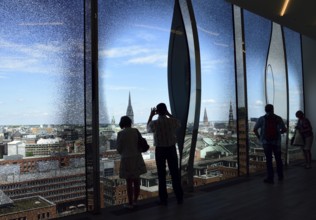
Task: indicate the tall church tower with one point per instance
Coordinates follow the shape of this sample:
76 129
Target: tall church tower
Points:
129 111
205 118
231 123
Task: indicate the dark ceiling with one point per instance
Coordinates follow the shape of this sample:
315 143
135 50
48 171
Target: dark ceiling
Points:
300 15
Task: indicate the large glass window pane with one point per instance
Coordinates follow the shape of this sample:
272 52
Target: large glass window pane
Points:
216 147
133 55
274 76
242 113
42 159
276 81
257 47
184 78
295 79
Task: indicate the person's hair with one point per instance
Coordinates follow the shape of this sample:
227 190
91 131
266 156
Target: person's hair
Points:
299 114
162 109
125 122
269 108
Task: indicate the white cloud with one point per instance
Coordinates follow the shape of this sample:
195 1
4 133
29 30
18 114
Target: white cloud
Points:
36 58
211 64
221 44
137 55
159 59
209 101
119 52
259 103
208 32
152 27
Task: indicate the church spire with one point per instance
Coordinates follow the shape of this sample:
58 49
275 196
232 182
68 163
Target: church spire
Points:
129 111
231 124
205 118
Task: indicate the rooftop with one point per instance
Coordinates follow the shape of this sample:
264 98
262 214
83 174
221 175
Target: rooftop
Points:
21 205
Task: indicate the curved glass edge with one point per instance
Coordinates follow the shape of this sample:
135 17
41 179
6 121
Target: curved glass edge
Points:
276 86
195 92
275 83
179 74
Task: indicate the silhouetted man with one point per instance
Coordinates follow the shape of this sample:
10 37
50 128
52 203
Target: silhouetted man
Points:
271 127
164 129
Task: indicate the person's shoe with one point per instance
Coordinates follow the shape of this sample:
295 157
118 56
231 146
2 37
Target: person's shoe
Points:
269 181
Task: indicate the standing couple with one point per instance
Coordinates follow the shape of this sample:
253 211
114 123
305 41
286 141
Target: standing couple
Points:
271 128
132 164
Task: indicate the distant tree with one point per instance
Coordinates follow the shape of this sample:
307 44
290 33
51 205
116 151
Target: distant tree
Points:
29 154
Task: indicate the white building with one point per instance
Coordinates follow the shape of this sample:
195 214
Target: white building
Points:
16 148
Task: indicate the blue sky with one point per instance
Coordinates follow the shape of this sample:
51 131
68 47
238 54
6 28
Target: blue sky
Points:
135 60
41 59
40 49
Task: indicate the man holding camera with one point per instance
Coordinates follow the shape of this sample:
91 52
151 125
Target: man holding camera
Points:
164 129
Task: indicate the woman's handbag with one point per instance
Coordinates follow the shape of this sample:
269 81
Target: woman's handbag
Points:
142 143
298 139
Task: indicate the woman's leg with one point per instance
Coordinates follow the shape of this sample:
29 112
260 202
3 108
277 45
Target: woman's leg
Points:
136 189
307 151
308 158
305 157
129 188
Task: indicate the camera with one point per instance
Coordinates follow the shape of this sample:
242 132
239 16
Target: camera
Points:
154 110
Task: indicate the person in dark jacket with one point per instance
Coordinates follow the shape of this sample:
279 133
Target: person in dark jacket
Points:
271 127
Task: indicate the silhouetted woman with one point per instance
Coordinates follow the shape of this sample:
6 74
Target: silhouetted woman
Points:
132 163
305 128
